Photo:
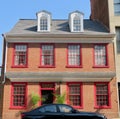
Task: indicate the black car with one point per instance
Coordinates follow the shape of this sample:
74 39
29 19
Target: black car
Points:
59 111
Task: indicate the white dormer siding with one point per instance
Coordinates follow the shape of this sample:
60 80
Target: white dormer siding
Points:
76 21
44 21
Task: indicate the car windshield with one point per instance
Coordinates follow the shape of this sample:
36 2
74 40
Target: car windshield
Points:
48 108
65 108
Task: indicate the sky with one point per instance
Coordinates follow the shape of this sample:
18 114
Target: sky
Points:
13 10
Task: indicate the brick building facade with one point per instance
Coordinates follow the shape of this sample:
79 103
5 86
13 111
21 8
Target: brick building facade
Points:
73 56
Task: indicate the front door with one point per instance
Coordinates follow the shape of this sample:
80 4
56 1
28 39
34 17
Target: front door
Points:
47 92
47 96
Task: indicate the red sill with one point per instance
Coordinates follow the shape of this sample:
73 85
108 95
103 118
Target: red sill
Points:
102 107
17 108
100 66
73 66
19 66
46 66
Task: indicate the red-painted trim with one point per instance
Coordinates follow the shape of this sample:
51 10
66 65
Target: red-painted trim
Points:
109 101
40 103
47 66
11 100
13 62
74 66
107 63
81 94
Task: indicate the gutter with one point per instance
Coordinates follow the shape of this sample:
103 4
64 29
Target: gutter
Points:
4 58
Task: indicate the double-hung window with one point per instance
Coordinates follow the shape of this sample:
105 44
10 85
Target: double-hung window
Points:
100 55
76 24
43 23
74 55
75 94
117 7
102 97
47 55
20 55
18 95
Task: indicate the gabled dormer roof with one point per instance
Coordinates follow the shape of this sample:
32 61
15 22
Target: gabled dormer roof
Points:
43 21
43 11
76 11
76 21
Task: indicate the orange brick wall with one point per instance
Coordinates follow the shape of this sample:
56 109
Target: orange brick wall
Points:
88 99
1 99
60 59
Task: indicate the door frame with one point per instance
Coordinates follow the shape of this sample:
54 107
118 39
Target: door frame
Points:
46 88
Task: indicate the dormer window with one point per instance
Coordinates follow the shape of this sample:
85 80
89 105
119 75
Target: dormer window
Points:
44 21
76 21
43 24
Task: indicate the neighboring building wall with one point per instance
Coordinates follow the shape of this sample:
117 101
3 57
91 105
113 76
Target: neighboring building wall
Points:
99 11
114 22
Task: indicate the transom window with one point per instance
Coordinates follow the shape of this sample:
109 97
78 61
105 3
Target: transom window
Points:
74 55
100 55
20 55
76 24
43 23
47 55
74 94
18 95
102 95
117 7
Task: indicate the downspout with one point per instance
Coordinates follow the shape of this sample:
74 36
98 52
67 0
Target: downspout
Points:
4 58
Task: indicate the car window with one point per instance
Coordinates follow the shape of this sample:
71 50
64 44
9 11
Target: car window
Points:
65 108
49 108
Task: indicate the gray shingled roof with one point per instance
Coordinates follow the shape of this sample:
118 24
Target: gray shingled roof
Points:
25 26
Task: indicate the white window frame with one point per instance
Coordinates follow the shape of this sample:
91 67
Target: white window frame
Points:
40 16
73 16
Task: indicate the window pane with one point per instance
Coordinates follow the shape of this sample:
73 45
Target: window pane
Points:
76 23
47 55
19 91
75 94
102 97
117 7
51 108
65 108
100 55
20 55
118 39
74 55
43 23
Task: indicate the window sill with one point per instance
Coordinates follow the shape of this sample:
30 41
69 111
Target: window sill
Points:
17 108
19 66
100 66
46 66
102 107
74 67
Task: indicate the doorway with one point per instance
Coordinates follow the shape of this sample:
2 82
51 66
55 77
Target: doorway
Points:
47 92
47 96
